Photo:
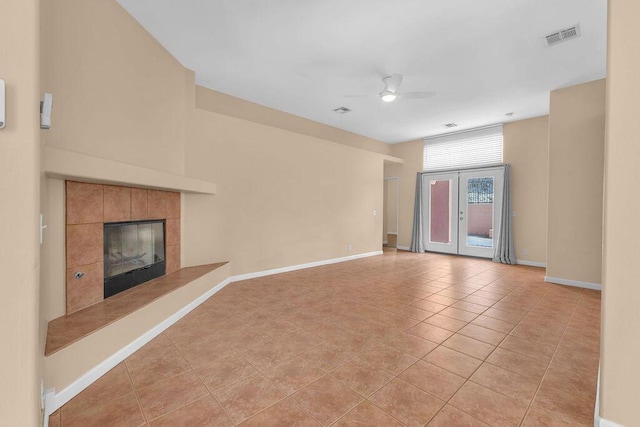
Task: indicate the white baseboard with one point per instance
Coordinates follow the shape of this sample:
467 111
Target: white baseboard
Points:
302 266
392 232
385 242
404 248
596 410
54 401
597 420
606 423
531 263
576 283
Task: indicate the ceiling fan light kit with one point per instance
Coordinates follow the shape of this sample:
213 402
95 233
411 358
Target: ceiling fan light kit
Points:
388 96
391 91
391 87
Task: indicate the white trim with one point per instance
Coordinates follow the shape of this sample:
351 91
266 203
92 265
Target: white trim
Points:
385 242
403 248
576 283
392 232
597 420
302 266
54 401
596 410
531 263
606 423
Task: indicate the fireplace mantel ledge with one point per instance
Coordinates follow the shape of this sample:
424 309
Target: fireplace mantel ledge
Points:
70 165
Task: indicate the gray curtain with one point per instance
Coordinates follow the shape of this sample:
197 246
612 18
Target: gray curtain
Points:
416 237
505 251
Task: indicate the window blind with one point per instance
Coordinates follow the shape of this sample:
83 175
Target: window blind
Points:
460 150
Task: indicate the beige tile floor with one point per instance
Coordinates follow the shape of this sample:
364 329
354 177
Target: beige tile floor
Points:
398 339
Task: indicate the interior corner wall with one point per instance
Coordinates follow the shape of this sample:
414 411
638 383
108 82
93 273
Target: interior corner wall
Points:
576 170
620 342
411 153
283 198
21 355
526 148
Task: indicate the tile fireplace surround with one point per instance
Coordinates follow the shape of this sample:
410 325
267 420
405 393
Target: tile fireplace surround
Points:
88 207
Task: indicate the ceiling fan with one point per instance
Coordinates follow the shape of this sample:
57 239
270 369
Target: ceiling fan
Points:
391 90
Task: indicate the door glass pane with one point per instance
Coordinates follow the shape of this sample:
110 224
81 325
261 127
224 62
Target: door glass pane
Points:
440 211
480 212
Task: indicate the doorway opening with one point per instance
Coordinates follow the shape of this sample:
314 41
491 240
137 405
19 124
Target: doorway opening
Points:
390 215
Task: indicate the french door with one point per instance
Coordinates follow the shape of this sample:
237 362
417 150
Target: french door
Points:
462 211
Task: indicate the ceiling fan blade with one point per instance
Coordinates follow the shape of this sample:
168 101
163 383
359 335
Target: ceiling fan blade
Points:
416 95
359 96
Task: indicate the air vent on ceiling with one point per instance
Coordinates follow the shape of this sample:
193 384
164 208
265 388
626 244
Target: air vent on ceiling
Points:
342 110
563 35
450 125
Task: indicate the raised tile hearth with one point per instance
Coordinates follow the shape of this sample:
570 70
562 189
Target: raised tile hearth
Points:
68 329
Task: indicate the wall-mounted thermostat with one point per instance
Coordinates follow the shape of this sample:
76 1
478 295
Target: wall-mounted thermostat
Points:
2 120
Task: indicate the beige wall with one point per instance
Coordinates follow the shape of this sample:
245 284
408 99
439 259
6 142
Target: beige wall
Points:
620 346
526 148
216 102
20 358
283 198
411 153
576 161
117 94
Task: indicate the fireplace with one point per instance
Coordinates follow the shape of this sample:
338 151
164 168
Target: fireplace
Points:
88 207
134 252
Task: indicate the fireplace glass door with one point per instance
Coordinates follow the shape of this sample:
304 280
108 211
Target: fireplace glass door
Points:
130 249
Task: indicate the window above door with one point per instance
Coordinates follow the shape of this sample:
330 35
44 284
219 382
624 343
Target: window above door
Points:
461 150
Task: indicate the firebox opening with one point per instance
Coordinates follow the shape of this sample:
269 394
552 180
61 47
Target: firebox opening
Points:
134 253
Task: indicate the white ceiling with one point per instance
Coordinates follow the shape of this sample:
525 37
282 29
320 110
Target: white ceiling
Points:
482 58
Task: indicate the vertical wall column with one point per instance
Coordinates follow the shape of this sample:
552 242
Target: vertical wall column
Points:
22 353
620 344
576 162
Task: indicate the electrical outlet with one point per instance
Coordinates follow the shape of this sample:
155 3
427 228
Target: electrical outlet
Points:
525 251
375 213
349 248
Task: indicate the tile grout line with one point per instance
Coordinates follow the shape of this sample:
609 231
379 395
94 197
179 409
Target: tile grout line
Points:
465 379
135 393
484 361
551 359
